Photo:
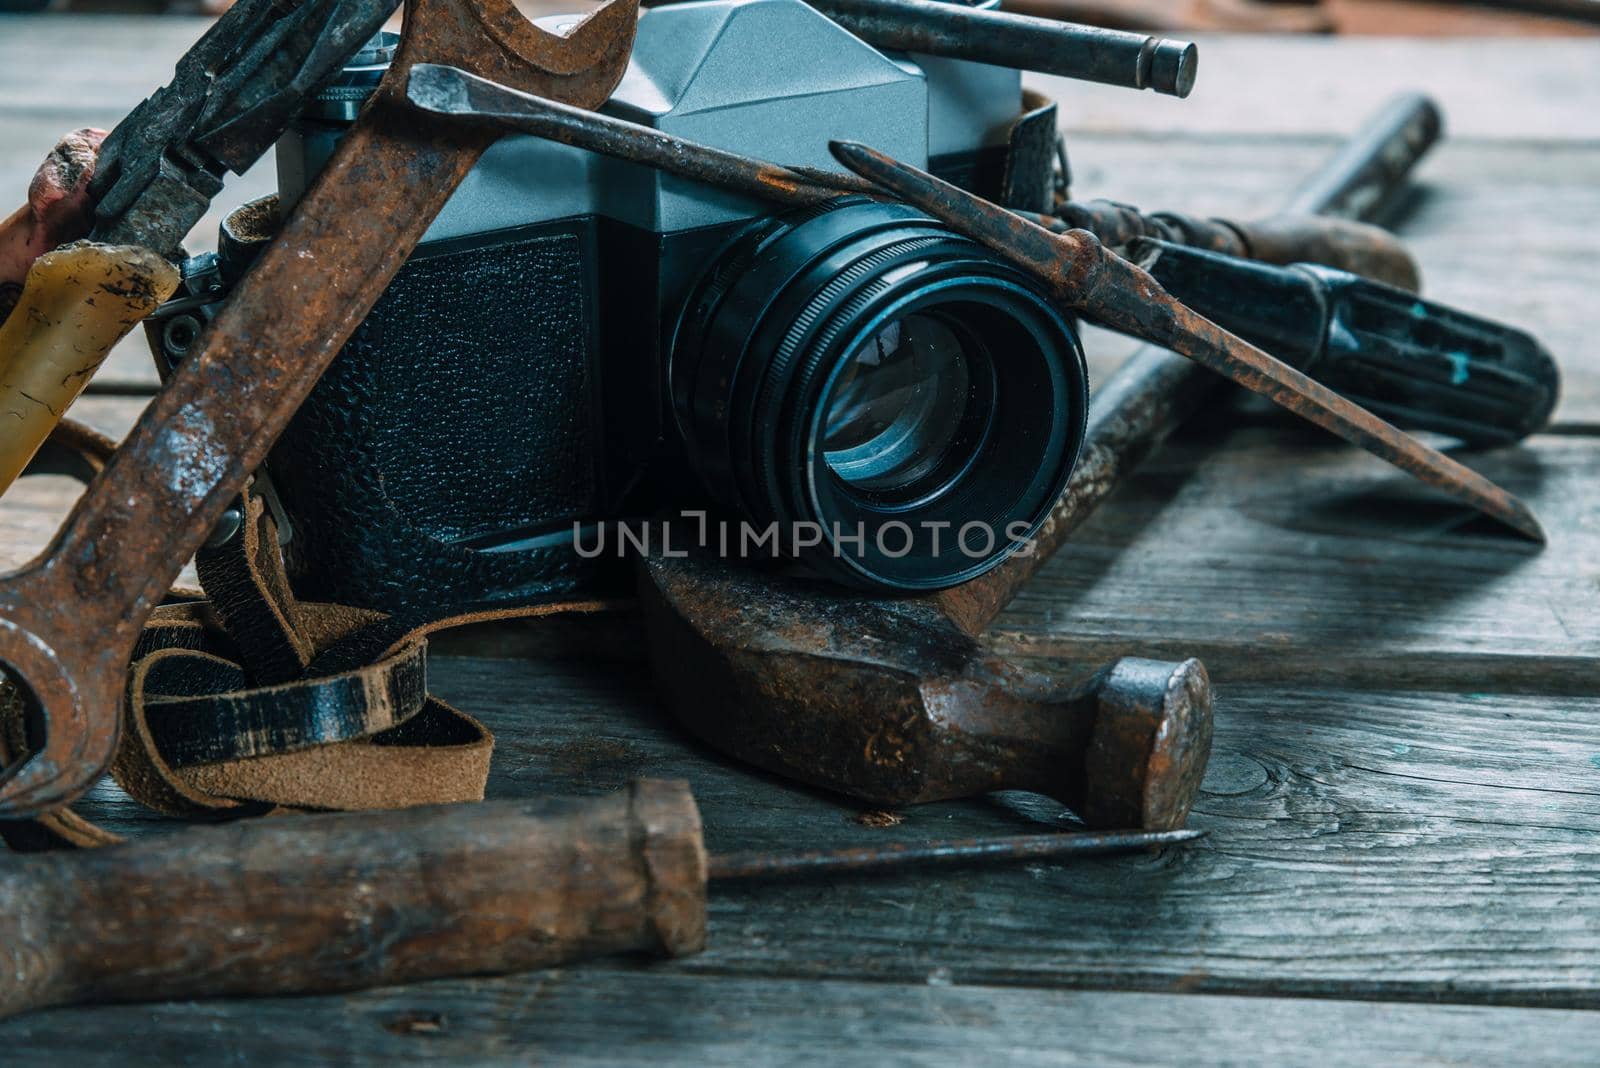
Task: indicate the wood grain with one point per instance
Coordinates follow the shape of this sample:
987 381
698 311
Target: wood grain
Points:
1420 846
1279 554
347 900
619 1016
1405 789
1417 847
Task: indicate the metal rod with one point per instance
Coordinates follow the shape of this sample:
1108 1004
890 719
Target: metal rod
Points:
1048 46
1102 285
449 91
759 865
1365 175
1155 391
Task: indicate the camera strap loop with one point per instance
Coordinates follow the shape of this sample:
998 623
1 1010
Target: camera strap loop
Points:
223 717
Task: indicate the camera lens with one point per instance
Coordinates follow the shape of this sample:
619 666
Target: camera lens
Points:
896 405
897 402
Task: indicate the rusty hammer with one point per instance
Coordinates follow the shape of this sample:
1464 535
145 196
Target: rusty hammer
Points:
894 701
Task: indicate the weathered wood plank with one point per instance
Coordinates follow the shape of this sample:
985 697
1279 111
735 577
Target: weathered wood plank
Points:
1417 846
1228 148
1420 847
1540 89
1501 90
634 1015
1281 554
1271 552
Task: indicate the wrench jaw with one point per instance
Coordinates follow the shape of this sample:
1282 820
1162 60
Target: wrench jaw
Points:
493 39
81 719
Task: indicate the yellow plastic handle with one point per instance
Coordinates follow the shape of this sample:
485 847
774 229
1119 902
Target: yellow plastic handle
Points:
77 302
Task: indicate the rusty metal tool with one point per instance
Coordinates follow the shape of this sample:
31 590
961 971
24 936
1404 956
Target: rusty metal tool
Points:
1088 278
340 902
1343 243
69 620
889 702
859 694
1156 391
1048 46
232 95
461 95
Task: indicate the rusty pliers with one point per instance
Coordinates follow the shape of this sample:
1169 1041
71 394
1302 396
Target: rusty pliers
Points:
70 618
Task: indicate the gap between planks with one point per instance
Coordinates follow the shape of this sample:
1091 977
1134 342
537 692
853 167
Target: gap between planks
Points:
1394 847
595 1017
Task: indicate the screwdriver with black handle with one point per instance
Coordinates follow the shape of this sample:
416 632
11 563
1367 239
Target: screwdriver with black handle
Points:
346 901
1420 364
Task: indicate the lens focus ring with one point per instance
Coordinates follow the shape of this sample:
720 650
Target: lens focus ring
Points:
862 371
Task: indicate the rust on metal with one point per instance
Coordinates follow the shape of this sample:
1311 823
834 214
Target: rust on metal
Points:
860 694
1001 38
1154 390
760 865
890 702
1090 279
444 90
69 619
1344 244
343 901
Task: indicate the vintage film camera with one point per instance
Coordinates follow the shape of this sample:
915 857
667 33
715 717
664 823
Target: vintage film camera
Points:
579 339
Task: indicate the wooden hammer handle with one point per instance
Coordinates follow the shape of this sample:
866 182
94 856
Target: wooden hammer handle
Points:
352 900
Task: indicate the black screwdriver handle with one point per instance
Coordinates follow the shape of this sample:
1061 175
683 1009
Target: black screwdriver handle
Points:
1419 364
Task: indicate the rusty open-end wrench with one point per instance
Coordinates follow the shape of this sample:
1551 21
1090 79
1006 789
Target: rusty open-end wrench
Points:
69 619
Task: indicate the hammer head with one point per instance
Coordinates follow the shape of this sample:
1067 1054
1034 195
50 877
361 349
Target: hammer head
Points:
889 702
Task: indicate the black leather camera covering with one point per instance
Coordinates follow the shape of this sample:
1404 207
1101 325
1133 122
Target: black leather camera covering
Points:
462 413
504 387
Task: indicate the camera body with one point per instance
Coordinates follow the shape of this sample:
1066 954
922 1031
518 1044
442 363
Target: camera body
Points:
542 362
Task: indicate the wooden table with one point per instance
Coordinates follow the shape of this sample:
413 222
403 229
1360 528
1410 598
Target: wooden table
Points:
1405 788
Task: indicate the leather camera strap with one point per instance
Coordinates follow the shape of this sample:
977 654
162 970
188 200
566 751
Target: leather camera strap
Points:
244 700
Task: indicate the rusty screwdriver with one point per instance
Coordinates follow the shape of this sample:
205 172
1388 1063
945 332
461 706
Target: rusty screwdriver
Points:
351 900
1089 279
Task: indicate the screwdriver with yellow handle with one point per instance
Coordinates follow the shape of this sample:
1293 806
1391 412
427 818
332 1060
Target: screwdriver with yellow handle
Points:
78 301
67 305
231 97
343 901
